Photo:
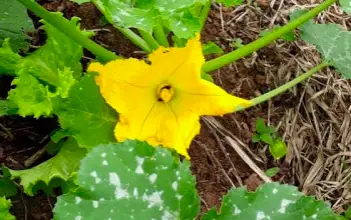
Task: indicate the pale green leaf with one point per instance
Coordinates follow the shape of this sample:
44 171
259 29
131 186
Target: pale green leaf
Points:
332 42
5 206
81 1
278 149
86 115
177 16
8 59
131 180
346 5
14 24
47 174
211 48
31 97
270 202
272 171
230 3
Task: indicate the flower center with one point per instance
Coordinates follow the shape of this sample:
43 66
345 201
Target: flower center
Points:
165 93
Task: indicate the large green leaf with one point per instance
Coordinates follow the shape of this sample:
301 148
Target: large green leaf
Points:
8 59
270 202
131 180
14 24
332 42
346 5
51 173
5 209
177 16
86 116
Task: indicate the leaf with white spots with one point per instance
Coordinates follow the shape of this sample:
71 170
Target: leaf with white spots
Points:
179 16
332 42
131 180
270 202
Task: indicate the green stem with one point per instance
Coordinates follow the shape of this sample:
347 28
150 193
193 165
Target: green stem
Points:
264 41
267 96
149 39
161 36
69 30
136 39
204 13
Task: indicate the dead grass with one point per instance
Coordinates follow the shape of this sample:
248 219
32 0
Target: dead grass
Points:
317 128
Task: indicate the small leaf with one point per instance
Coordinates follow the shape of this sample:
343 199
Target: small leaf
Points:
46 175
5 206
8 59
86 116
267 138
207 77
230 3
348 213
237 43
260 126
271 130
15 24
256 138
211 48
346 5
272 171
270 201
332 42
131 180
278 149
7 187
7 108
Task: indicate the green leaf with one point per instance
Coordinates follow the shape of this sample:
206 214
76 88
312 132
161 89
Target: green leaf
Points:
14 24
206 76
31 97
278 149
271 130
271 201
7 187
256 138
348 213
211 48
86 115
346 5
261 126
131 180
5 209
8 59
332 42
80 1
267 138
272 171
177 16
7 108
52 172
230 3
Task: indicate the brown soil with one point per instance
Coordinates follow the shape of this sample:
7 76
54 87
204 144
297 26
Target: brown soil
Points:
215 164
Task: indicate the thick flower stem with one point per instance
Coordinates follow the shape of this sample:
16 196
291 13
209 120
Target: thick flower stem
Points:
264 41
136 39
161 36
267 96
149 39
69 30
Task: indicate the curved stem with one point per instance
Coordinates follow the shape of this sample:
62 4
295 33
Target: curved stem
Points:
264 41
69 30
267 96
136 39
161 36
149 39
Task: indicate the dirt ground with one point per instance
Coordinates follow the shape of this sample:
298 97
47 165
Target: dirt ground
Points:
313 118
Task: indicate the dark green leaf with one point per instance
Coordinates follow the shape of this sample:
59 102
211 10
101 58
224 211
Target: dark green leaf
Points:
267 138
271 201
272 171
131 180
278 149
7 108
7 187
86 116
211 48
15 24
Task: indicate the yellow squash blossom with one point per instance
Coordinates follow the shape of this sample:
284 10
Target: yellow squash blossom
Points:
160 102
